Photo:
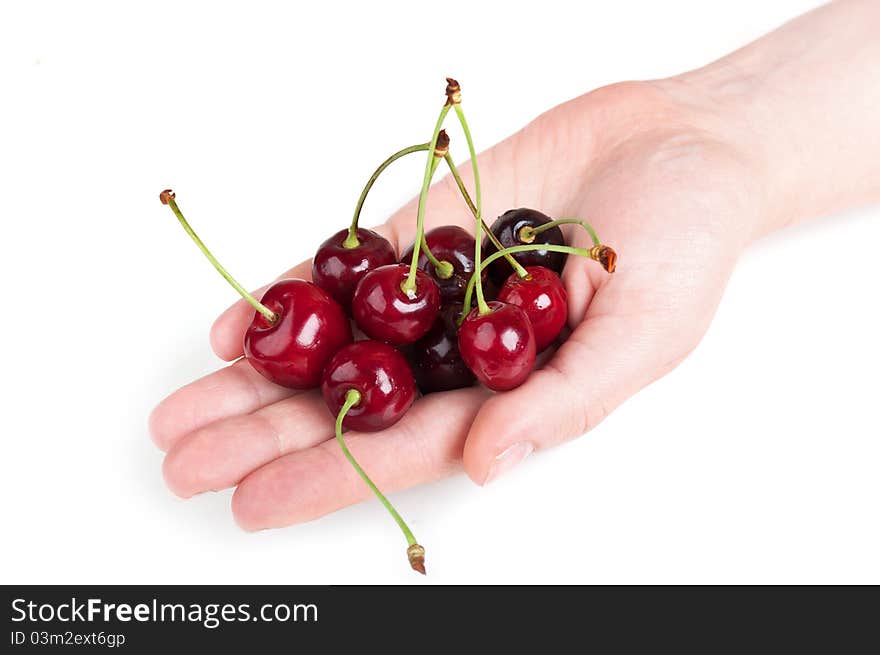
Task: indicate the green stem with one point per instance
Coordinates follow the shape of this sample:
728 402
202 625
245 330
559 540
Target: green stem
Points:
482 307
444 269
410 285
352 398
267 313
520 271
571 250
351 241
529 232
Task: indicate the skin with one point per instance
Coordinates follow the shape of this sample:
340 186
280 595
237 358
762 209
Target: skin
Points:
678 175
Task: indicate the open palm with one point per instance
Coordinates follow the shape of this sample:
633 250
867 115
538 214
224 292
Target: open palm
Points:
658 182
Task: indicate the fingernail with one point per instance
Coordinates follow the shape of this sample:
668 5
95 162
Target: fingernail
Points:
508 460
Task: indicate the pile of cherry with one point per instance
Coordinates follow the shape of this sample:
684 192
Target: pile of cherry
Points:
423 331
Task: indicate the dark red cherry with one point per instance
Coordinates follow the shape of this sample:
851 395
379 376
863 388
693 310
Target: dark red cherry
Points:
452 244
337 269
293 350
508 229
499 347
437 363
542 297
381 375
385 312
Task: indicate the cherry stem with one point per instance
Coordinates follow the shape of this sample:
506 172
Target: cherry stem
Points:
520 271
351 240
409 286
167 198
482 307
415 552
571 250
444 269
529 232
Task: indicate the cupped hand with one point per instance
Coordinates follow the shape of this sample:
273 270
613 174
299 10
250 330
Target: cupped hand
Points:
664 180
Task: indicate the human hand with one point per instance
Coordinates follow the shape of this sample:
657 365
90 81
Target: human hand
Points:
673 188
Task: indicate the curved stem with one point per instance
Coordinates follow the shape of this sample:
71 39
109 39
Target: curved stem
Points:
352 398
571 250
410 285
444 269
168 198
520 271
531 231
351 241
474 167
482 307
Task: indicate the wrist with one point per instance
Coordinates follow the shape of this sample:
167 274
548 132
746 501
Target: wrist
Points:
802 103
723 103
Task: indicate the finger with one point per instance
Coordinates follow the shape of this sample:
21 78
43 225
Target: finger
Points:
608 358
220 454
425 445
236 389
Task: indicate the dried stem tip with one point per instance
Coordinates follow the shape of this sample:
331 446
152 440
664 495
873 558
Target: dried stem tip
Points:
166 195
453 92
416 556
606 256
527 234
442 145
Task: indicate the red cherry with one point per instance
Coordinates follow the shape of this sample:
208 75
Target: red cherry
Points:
385 312
337 269
296 328
499 347
452 244
437 362
542 297
381 375
310 328
508 227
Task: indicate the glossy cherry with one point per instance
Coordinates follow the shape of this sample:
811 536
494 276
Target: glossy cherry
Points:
337 269
385 312
296 328
309 329
508 229
452 244
499 347
437 362
542 297
380 374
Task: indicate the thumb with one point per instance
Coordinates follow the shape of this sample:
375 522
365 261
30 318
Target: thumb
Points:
606 359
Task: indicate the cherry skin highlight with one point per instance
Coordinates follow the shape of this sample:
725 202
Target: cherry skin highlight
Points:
337 269
508 227
385 312
542 297
310 328
437 362
499 347
452 244
381 375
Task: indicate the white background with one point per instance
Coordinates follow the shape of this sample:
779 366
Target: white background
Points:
755 461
